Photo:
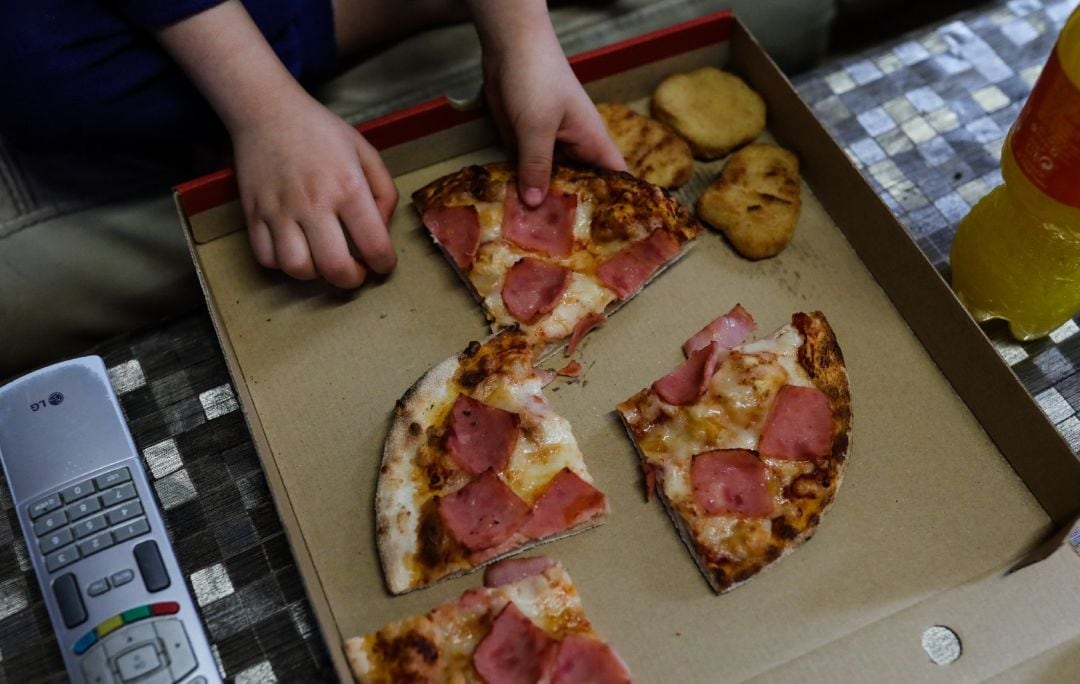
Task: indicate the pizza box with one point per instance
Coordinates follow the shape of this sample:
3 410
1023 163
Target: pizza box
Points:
954 472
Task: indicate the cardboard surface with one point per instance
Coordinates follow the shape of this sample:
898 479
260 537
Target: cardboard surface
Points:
928 505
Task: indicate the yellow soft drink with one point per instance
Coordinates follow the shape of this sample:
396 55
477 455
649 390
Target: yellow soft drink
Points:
1016 256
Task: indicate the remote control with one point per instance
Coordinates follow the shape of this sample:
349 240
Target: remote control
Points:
118 602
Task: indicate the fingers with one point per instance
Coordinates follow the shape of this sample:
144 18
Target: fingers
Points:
331 254
262 244
362 218
291 250
379 180
588 140
536 144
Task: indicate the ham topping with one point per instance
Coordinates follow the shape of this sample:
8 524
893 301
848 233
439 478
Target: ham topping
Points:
730 330
584 660
483 513
730 481
570 370
513 569
480 436
799 425
582 328
458 230
514 651
687 383
567 501
548 229
627 271
533 287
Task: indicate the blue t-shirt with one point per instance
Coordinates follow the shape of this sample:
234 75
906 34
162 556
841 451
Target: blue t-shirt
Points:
79 71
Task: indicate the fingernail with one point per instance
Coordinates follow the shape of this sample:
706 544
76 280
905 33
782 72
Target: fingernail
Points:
533 196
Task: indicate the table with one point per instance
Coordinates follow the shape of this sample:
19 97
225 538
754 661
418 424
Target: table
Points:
923 117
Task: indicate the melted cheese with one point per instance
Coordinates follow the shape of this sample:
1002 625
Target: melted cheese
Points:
496 256
546 443
731 415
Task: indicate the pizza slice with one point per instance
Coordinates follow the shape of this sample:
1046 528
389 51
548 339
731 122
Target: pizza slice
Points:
526 624
746 442
477 466
554 271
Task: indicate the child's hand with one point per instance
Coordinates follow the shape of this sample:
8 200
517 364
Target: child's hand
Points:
535 98
317 196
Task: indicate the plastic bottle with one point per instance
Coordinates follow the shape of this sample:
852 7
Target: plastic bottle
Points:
1016 255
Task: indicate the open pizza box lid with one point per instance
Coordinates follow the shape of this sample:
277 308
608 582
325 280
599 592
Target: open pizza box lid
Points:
954 471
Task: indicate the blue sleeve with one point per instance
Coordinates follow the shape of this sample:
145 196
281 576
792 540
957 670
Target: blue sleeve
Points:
151 14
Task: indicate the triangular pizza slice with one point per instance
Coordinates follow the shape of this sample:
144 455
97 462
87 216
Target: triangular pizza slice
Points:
746 443
477 466
557 270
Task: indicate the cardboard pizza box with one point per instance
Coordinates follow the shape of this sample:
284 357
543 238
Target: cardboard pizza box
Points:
954 470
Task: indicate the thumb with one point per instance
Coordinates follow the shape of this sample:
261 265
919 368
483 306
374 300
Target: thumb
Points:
536 146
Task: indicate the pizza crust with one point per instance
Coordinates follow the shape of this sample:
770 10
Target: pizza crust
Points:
396 517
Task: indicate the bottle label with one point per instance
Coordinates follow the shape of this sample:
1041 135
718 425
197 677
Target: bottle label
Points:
1046 138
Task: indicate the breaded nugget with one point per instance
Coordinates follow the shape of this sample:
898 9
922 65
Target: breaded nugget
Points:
755 201
653 152
714 110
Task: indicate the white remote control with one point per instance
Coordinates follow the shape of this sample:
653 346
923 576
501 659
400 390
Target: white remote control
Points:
115 594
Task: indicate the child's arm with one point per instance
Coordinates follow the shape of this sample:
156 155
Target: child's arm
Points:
534 95
309 183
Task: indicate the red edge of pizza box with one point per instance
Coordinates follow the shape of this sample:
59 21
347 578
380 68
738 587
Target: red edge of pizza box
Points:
954 472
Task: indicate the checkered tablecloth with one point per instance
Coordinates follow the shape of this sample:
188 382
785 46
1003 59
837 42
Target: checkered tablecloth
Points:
923 117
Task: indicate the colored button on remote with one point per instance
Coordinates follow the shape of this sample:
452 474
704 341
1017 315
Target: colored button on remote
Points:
108 626
83 644
165 608
136 614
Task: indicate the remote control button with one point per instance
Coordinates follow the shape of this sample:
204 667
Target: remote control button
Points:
85 642
58 559
55 540
138 662
165 608
135 614
51 522
118 494
43 506
95 667
99 542
121 578
113 477
89 526
129 637
77 491
109 626
130 530
98 587
198 680
125 512
83 509
181 658
66 591
150 566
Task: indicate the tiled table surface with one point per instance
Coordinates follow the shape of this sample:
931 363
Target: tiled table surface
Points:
923 117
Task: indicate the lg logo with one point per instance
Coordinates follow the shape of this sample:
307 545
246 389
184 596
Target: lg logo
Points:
55 399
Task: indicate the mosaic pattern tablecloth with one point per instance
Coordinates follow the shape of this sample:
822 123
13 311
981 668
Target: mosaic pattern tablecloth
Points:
923 117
